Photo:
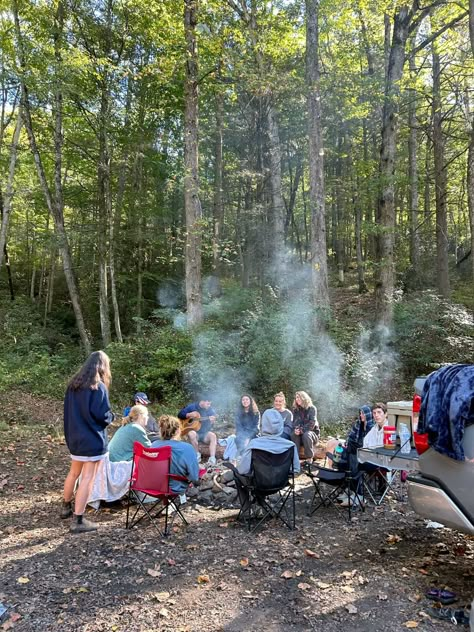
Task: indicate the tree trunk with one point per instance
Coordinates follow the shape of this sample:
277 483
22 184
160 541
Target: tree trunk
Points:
316 161
385 270
218 162
470 157
7 197
192 203
440 173
55 206
413 176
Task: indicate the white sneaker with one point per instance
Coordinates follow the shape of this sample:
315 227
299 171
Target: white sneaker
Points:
212 460
198 454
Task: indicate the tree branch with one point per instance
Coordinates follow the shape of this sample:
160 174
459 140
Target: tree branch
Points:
439 32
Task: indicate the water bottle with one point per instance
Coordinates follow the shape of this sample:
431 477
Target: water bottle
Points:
405 437
338 452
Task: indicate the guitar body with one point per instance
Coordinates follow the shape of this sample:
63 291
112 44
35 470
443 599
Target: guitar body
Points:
189 424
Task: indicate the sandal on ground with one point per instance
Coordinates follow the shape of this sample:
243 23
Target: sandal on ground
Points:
458 617
445 597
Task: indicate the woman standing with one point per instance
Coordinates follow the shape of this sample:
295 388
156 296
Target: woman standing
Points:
247 422
86 416
305 424
133 429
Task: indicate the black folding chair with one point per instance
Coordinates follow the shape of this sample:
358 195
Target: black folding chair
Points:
379 482
329 484
269 490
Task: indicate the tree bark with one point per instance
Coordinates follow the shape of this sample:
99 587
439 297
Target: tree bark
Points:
385 219
192 203
218 166
316 161
55 205
8 196
413 176
440 179
470 156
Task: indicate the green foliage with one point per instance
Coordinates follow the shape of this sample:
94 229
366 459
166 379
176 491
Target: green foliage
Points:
431 331
153 362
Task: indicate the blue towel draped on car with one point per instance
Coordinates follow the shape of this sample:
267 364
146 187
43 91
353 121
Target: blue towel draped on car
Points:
447 407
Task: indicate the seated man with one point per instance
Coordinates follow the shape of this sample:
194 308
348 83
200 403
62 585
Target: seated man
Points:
183 457
373 439
203 412
270 441
355 439
142 399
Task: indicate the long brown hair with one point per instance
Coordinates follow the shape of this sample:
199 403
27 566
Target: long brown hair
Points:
95 369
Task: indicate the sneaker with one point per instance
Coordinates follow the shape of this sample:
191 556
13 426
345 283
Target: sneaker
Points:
66 509
342 497
82 525
355 502
458 617
212 460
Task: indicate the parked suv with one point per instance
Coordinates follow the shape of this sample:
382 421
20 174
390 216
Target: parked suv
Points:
443 489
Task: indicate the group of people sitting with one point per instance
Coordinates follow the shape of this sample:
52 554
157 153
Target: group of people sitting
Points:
87 414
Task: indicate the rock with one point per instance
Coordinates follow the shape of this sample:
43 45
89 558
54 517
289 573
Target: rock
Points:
206 483
192 492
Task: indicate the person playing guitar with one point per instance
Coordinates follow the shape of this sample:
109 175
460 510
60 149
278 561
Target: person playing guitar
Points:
202 413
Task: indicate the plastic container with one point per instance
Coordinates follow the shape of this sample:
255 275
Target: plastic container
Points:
390 437
401 413
405 437
421 442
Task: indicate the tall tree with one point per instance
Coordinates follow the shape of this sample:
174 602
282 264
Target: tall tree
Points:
192 202
470 157
54 202
316 160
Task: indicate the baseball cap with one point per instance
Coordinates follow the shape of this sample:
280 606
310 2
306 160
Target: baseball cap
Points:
141 398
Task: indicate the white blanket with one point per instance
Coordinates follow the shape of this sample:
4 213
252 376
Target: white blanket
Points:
111 481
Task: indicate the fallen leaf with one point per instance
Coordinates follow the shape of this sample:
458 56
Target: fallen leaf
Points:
3 483
347 589
311 553
171 562
164 613
411 624
162 596
393 539
323 585
423 571
82 589
23 580
153 572
304 586
203 579
244 561
382 597
298 573
351 609
287 575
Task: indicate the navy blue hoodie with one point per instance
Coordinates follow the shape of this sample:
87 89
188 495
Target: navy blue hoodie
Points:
86 416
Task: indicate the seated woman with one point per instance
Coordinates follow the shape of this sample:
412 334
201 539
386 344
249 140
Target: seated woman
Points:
305 424
121 445
247 421
361 426
279 403
183 456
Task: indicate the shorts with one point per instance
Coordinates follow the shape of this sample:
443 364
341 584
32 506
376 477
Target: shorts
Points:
86 459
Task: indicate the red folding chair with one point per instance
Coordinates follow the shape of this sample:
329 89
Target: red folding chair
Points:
151 479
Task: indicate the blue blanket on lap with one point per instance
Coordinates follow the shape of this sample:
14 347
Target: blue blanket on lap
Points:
447 407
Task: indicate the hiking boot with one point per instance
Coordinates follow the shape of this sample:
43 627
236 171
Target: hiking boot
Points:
66 509
82 525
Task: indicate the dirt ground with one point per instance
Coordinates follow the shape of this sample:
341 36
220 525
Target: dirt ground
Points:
212 575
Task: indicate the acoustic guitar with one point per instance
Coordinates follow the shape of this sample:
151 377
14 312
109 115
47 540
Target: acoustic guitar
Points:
192 423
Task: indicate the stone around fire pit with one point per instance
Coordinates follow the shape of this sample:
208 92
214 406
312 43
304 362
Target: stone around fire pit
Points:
217 487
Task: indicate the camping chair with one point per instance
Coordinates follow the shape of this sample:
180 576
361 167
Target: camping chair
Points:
150 480
271 475
329 484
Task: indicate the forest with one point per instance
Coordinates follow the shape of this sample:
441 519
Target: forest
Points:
242 195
